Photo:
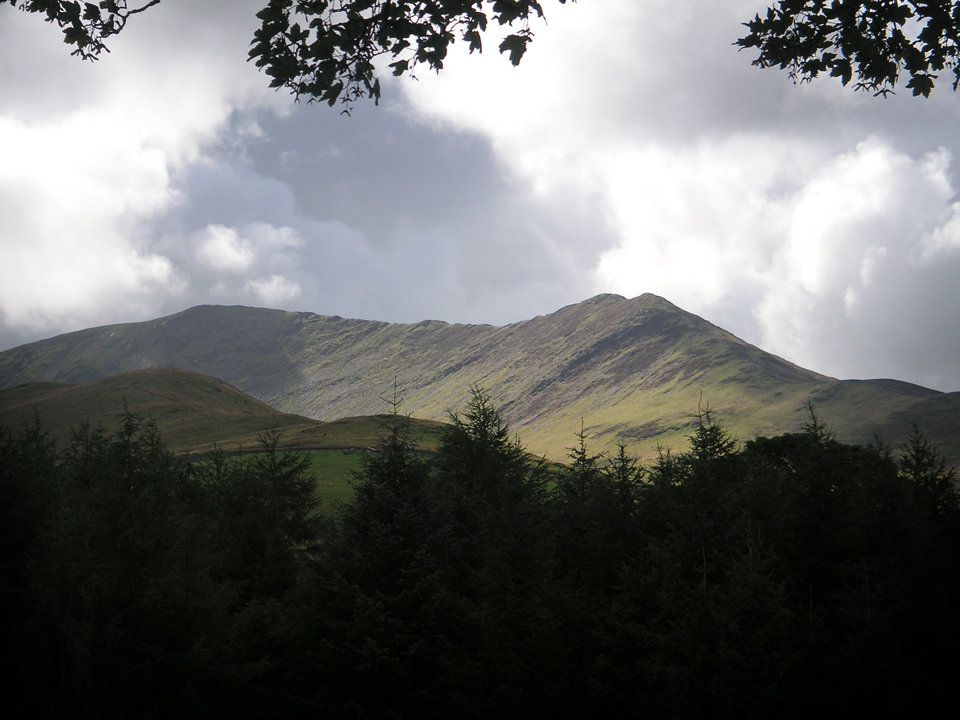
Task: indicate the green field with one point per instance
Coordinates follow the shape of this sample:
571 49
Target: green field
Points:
334 471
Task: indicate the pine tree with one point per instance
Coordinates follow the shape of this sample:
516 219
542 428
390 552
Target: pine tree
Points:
923 466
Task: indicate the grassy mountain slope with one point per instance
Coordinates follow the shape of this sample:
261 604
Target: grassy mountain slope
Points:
193 412
637 369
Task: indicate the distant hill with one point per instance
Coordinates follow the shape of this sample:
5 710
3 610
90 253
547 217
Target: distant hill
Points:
637 369
193 412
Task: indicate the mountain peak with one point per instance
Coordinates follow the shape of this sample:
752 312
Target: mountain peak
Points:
632 368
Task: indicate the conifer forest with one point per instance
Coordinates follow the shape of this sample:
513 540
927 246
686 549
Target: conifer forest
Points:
777 576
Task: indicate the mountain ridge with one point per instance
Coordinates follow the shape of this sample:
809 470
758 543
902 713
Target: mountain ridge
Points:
636 368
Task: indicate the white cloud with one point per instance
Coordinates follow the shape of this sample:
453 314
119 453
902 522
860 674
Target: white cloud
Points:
274 290
942 242
793 215
222 248
269 237
69 208
89 152
850 290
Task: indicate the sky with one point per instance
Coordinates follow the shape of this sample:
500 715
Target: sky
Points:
633 150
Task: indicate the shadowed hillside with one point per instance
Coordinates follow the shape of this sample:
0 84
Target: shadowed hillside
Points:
193 412
637 369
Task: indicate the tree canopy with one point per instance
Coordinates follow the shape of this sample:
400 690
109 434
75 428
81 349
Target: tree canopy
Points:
776 577
325 50
872 43
84 24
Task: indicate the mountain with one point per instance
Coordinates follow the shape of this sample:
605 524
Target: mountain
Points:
639 369
192 411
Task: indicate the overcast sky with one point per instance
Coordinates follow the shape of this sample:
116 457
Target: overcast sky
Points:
634 150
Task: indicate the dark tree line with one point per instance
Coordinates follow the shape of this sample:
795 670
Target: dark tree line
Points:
783 576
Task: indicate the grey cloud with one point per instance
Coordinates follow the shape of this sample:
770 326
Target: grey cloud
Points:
410 236
474 242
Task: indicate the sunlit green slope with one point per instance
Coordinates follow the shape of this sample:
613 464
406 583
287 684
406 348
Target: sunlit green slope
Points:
638 369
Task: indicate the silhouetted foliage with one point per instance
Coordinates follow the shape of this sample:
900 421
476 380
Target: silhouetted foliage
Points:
326 49
926 469
135 588
780 577
28 490
84 25
869 42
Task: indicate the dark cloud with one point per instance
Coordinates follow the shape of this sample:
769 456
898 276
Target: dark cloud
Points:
478 248
373 167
